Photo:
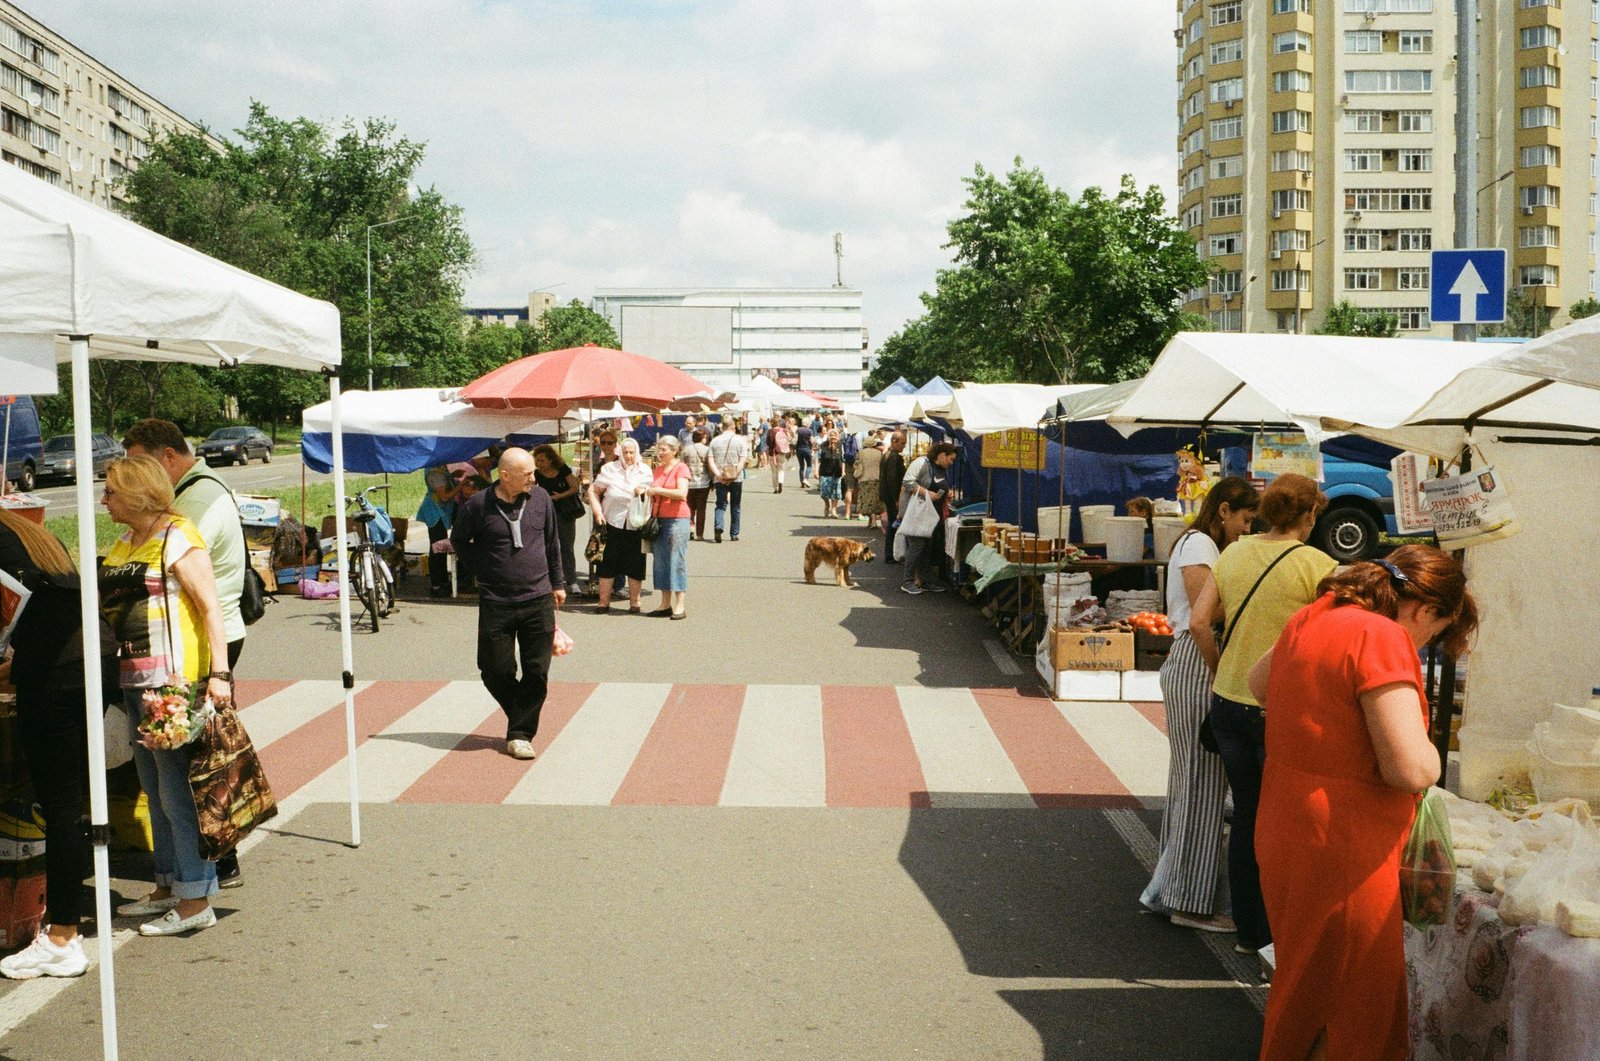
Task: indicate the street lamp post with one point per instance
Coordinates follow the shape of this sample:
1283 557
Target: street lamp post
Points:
380 224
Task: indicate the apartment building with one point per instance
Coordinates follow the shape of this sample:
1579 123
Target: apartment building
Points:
1317 145
812 336
66 117
511 316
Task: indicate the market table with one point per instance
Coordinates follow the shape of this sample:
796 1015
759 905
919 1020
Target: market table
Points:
1018 609
1482 988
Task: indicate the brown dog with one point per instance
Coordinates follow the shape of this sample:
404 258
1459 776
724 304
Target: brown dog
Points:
839 553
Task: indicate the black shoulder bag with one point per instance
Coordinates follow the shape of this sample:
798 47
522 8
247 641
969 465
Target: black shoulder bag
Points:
1208 737
253 594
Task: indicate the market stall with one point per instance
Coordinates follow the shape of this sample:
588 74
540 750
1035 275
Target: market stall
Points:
403 431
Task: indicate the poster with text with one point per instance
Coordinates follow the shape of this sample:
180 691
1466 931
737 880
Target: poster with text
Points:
1022 448
1275 453
1470 509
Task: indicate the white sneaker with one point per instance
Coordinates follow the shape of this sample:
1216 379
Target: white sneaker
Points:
147 906
519 749
170 924
44 958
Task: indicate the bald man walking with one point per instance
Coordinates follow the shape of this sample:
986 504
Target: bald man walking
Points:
507 538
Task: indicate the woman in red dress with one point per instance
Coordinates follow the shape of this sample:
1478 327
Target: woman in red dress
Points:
1347 753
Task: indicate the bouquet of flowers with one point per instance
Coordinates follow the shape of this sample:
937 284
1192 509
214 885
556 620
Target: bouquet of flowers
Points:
173 715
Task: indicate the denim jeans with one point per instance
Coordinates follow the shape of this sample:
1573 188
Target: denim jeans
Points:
670 552
733 491
174 824
802 458
1241 732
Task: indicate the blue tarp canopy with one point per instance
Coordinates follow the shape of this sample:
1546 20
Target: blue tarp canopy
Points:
935 387
403 431
899 386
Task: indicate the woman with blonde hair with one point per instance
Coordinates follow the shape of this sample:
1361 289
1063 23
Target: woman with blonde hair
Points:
47 671
160 596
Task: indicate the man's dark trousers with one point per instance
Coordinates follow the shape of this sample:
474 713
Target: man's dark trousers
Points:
505 632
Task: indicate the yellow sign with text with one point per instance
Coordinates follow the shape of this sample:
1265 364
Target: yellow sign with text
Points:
1014 449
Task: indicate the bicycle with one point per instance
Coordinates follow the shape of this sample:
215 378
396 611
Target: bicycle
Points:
371 581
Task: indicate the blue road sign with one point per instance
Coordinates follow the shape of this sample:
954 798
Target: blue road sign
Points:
1469 286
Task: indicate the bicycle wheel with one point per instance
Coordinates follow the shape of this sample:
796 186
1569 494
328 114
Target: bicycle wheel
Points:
368 587
383 586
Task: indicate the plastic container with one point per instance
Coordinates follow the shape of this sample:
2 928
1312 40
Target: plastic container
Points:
1490 760
1580 723
1055 522
1558 770
1093 518
1124 537
1168 529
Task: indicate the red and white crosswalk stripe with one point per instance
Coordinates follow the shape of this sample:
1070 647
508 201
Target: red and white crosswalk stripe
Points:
616 744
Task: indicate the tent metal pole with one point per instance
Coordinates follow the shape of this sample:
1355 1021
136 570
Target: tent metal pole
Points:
348 649
93 694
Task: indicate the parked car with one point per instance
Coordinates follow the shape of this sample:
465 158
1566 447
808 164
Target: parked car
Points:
1360 505
19 435
235 445
60 459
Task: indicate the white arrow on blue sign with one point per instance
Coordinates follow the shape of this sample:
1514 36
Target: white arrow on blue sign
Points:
1469 286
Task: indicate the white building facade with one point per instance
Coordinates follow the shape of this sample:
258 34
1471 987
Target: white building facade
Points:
810 338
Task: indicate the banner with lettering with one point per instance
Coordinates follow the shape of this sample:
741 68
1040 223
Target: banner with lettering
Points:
1470 509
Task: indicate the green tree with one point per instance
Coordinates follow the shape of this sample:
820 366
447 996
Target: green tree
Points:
563 327
1346 318
1587 306
1525 319
1045 288
291 200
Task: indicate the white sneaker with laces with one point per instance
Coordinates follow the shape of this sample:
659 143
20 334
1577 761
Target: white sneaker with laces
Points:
147 906
170 924
519 749
44 958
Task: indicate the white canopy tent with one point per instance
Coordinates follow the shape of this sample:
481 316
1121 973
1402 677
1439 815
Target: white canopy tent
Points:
882 412
406 430
77 281
984 408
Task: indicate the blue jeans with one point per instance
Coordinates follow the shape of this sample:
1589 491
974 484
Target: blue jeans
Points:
803 459
733 491
671 554
174 825
1241 732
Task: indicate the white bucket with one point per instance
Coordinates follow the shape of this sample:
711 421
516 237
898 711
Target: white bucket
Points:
1124 538
1168 529
1055 522
1094 521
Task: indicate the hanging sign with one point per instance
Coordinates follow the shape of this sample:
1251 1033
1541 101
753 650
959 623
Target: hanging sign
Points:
1407 472
1020 448
1470 509
1275 453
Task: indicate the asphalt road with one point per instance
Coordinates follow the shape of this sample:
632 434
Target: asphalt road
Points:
284 471
960 926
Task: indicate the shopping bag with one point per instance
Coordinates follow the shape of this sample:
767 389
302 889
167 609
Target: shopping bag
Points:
638 512
920 518
231 792
1428 864
561 643
595 551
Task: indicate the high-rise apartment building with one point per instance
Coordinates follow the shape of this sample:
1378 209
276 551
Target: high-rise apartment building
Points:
1317 144
66 117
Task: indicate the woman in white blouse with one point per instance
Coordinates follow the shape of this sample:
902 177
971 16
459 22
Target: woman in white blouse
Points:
610 495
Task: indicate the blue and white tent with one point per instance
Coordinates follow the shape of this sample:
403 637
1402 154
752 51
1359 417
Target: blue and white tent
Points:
899 386
403 431
934 388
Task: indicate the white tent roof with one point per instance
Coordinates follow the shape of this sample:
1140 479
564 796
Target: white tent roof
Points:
983 408
73 268
424 411
1094 403
1310 381
894 409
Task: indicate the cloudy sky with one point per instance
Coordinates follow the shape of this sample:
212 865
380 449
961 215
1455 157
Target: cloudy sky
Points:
664 143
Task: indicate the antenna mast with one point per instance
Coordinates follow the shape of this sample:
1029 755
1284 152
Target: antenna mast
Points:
838 259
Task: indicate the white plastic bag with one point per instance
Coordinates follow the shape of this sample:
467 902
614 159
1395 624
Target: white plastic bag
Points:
638 511
920 519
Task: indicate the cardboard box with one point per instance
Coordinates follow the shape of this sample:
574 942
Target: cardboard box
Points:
257 536
1150 650
1141 685
258 511
261 560
1075 648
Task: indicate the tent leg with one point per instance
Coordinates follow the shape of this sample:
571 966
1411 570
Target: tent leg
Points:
345 645
93 693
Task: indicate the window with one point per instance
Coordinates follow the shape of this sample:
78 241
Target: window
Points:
1363 121
1541 155
1227 129
126 107
23 127
1227 13
1539 77
1197 29
1290 239
44 173
1231 166
1291 121
1388 80
1193 105
1537 195
1387 7
1229 89
1227 206
1362 279
1229 243
1227 282
1291 81
1415 239
1539 37
1363 41
1416 41
1227 51
1283 161
1388 199
1292 41
1226 320
1291 280
1290 199
1362 161
1363 239
31 49
1537 276
1195 178
1194 68
1193 216
1538 236
1416 160
1290 7
1539 3
1412 278
1194 142
1413 318
1416 121
26 87
1540 117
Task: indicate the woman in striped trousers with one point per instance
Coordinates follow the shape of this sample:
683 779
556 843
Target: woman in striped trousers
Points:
1184 885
